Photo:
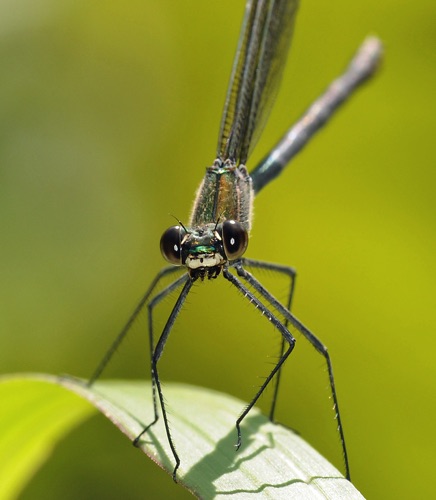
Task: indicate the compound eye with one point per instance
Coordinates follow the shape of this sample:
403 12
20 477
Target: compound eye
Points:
170 244
235 239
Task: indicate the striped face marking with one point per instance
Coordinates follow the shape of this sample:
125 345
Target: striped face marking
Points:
204 260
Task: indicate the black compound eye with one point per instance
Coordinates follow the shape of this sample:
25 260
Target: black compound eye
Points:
235 239
170 244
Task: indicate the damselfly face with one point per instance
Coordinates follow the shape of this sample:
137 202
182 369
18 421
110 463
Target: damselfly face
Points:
206 249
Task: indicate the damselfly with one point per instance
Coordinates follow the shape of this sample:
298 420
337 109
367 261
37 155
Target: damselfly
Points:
215 239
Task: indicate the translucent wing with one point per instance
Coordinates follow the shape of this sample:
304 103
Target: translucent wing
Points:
257 69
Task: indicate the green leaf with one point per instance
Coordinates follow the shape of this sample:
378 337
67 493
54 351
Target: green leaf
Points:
34 416
273 461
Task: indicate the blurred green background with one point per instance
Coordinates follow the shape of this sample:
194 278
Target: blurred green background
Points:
109 115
